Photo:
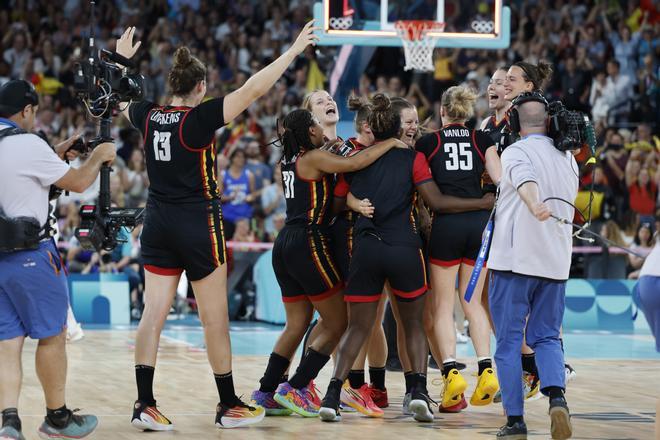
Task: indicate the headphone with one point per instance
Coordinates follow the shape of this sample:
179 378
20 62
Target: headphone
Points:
512 114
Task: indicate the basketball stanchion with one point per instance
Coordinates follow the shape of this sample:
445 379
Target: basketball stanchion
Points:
419 38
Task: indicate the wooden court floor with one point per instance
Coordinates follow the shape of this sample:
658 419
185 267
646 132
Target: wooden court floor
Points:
608 399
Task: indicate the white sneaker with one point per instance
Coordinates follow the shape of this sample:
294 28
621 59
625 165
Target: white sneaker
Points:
570 373
74 333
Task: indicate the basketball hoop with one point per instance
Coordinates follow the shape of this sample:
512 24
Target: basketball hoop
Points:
418 42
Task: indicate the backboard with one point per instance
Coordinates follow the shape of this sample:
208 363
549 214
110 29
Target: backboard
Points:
474 24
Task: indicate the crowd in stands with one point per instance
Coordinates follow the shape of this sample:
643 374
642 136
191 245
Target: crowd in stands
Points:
606 62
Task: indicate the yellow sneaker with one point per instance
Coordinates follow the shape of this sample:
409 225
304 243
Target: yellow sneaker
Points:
531 386
238 414
486 388
454 386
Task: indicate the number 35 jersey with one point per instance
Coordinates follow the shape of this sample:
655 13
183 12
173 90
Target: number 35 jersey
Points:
180 150
307 201
456 156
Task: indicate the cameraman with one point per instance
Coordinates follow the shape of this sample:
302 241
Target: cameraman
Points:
33 288
529 260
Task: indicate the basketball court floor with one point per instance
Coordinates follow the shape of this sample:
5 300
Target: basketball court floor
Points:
613 396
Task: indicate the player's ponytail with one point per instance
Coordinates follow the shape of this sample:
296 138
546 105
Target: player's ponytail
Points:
362 110
538 75
186 72
296 133
458 102
384 122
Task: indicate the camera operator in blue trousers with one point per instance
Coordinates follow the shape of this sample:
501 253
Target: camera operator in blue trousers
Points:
33 288
529 262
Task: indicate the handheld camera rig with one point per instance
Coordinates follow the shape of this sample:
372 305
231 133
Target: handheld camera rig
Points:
101 85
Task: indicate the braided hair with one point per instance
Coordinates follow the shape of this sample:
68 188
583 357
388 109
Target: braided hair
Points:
385 123
296 133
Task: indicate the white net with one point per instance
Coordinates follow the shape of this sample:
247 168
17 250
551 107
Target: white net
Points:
419 42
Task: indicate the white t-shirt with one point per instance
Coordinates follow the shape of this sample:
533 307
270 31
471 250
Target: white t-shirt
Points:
28 166
521 243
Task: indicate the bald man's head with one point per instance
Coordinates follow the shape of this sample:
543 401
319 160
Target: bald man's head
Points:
533 116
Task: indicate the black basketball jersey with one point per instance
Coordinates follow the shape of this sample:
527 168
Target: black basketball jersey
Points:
456 155
494 129
307 201
180 151
389 183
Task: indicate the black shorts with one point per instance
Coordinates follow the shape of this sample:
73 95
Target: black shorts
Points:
186 236
304 266
341 236
375 262
456 238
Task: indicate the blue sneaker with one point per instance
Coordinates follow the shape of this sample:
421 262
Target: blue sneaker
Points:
78 426
9 433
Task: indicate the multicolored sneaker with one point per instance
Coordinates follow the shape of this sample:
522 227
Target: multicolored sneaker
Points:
149 418
379 397
486 388
296 400
78 426
237 415
405 409
531 386
454 386
10 433
313 395
272 408
360 400
420 406
458 407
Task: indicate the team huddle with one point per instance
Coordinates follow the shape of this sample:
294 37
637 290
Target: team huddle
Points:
395 213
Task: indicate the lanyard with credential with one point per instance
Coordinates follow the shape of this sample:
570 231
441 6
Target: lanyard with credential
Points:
486 238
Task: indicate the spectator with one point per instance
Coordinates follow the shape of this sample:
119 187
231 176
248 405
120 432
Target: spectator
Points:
237 187
137 182
18 55
642 189
598 100
618 89
574 86
643 245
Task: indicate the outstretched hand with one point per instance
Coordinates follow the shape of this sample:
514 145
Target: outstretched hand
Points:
125 46
305 38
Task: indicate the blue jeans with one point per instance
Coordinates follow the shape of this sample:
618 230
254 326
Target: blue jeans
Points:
34 296
532 307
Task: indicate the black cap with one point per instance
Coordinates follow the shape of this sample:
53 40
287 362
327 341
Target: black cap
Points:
15 95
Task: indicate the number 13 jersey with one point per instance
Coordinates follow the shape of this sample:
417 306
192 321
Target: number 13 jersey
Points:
307 201
456 156
179 147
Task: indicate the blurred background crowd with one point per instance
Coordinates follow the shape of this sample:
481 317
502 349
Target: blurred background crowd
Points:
605 56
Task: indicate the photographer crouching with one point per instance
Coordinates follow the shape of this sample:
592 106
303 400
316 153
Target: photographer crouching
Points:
529 262
33 288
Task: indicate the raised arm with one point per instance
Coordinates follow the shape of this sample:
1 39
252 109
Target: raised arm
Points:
262 81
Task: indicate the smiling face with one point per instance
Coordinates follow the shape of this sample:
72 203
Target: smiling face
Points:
409 125
324 108
496 90
515 83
